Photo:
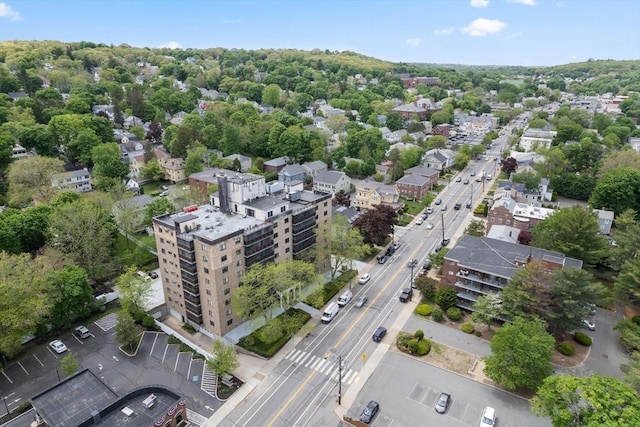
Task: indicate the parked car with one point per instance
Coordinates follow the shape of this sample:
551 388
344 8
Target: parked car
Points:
419 221
82 332
438 247
458 179
390 251
488 417
426 266
457 206
437 201
443 208
472 174
361 301
406 294
445 242
58 346
430 226
429 210
153 274
364 278
443 403
369 412
589 324
466 181
379 333
425 216
164 187
382 259
163 194
396 246
468 205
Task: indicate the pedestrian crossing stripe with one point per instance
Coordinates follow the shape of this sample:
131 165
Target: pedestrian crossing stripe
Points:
321 365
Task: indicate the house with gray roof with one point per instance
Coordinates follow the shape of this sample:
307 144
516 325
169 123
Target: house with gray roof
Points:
413 187
439 159
478 266
275 165
332 182
292 173
315 167
245 161
78 180
605 220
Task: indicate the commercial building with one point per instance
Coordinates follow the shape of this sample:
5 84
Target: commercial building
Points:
204 251
479 265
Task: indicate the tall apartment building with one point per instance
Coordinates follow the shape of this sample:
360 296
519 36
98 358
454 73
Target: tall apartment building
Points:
479 265
204 251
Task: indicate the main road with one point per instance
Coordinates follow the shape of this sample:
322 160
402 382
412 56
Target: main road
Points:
304 384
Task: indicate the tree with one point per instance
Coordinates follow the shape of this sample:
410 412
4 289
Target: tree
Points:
446 297
427 287
24 298
619 158
194 161
437 141
271 95
631 370
531 180
109 169
461 160
345 245
520 355
126 215
627 284
394 122
30 179
486 309
617 190
71 295
69 364
626 235
134 290
224 360
573 232
595 400
437 258
376 224
126 331
154 133
509 165
476 228
159 206
153 170
85 232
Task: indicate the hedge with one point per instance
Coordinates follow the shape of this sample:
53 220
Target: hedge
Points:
321 297
265 342
467 327
454 313
424 309
582 338
437 315
636 319
566 348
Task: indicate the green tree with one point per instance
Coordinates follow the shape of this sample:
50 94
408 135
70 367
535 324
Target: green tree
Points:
631 371
271 95
427 287
627 284
30 179
109 169
586 401
520 355
78 149
437 141
573 232
159 206
71 295
24 298
86 233
153 170
531 180
224 360
446 297
437 258
194 161
476 228
617 190
487 309
69 364
126 330
394 122
626 234
134 290
619 158
461 160
346 244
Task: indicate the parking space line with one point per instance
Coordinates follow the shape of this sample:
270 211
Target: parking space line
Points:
175 367
36 357
189 370
165 352
25 371
6 376
154 344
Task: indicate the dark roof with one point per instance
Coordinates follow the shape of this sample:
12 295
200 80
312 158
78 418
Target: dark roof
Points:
499 258
329 177
184 218
413 180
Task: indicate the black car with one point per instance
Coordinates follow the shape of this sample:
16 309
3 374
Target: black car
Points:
153 274
443 403
406 294
382 259
468 206
379 333
438 247
390 251
426 266
457 206
369 412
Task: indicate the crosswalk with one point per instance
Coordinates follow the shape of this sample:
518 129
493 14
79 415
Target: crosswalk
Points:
321 365
209 382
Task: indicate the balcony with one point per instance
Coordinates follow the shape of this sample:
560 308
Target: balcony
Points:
308 223
188 267
301 216
303 236
191 278
471 286
193 308
192 299
193 289
494 282
197 319
266 255
188 256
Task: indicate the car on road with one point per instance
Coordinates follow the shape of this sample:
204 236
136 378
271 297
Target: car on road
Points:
164 187
153 274
468 205
82 332
590 307
369 412
458 179
412 262
382 259
425 216
426 266
488 417
437 201
396 246
466 181
58 346
457 206
429 210
589 324
364 278
430 226
406 294
472 174
445 242
438 247
379 333
361 301
443 403
443 208
419 221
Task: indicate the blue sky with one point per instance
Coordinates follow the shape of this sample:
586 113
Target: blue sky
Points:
477 32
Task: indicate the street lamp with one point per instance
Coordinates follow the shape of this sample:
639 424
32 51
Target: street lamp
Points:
339 379
411 278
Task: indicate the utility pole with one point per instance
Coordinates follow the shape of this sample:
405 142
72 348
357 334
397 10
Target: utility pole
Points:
411 278
339 379
442 217
471 197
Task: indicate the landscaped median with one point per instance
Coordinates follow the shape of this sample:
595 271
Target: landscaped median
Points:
271 337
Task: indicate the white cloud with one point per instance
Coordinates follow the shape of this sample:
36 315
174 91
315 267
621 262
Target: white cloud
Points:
479 3
481 27
524 2
414 41
443 31
172 45
8 12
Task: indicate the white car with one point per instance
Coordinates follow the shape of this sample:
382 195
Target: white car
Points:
589 324
58 346
488 418
364 278
419 221
430 226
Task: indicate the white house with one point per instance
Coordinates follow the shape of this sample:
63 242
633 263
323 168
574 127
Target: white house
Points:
332 182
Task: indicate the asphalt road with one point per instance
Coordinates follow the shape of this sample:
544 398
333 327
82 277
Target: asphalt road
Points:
407 389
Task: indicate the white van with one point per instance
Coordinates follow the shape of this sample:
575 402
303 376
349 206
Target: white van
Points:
345 298
330 312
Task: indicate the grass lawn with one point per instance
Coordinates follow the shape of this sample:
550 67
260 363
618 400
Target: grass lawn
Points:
438 188
147 240
413 207
153 187
129 253
404 219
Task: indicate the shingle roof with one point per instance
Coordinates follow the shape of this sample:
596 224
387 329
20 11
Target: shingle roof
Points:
329 177
413 180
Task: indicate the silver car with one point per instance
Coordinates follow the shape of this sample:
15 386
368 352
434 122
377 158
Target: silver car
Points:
361 301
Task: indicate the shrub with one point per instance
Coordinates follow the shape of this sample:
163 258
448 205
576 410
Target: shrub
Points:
403 341
636 319
566 348
270 338
424 309
446 297
582 338
478 333
418 334
412 345
320 297
437 315
454 313
424 347
466 327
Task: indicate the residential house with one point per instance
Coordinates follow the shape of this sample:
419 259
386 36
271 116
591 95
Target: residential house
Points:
131 121
396 136
315 167
77 180
519 215
292 173
370 193
605 220
420 109
422 170
478 266
411 82
173 169
413 187
532 139
133 186
275 165
137 205
443 129
19 152
504 233
439 159
332 182
245 161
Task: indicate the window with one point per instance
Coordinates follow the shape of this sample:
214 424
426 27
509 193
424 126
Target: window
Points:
225 269
287 250
210 313
210 303
275 236
161 239
223 246
228 312
269 214
204 258
283 208
286 230
229 322
325 204
227 302
224 258
227 291
325 213
286 240
204 247
207 282
208 291
286 220
236 240
275 245
164 260
225 280
239 262
206 270
240 273
163 251
211 323
237 251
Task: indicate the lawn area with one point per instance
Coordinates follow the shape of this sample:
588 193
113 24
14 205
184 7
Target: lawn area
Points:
404 219
153 188
414 207
128 253
438 188
147 240
268 339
